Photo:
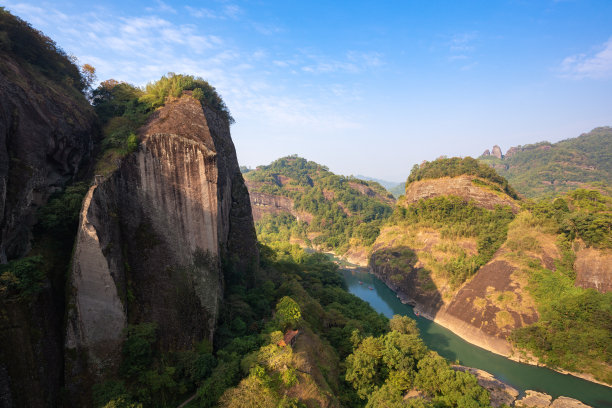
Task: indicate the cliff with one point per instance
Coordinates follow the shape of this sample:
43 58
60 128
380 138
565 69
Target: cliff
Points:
469 188
41 148
503 278
152 239
47 135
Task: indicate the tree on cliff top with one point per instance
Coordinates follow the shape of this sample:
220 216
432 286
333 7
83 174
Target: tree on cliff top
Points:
456 166
155 93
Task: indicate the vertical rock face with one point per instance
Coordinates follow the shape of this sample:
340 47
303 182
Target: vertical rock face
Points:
46 137
152 237
496 152
41 148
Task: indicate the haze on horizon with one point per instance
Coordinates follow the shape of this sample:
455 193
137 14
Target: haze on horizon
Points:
361 87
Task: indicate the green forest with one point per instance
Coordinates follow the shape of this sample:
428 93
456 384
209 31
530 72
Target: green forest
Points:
348 355
546 169
341 215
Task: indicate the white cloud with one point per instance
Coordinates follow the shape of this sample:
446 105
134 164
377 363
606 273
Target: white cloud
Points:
596 65
161 7
231 11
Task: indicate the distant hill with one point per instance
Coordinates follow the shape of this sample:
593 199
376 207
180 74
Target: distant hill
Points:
545 169
394 187
300 200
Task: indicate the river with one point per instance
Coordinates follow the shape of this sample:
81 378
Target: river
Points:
454 348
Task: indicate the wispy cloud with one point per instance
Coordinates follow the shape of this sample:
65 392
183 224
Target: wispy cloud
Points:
161 7
594 65
140 48
229 11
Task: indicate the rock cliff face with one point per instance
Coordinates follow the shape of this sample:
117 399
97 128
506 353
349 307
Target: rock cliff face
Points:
41 148
462 186
496 152
46 138
486 307
594 269
151 240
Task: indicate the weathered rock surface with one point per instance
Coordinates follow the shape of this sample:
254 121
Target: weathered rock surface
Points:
566 402
500 392
496 152
461 186
46 135
534 399
151 240
594 269
366 190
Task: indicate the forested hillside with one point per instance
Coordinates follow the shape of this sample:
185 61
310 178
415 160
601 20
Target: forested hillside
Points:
545 169
322 209
466 252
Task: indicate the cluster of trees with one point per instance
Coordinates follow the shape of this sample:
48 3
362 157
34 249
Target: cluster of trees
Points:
387 368
340 212
581 214
19 38
123 108
543 169
574 328
454 217
51 250
456 166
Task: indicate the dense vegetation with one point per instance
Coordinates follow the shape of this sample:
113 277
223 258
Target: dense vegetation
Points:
341 215
397 370
453 218
123 108
543 169
574 329
348 354
18 38
456 166
53 239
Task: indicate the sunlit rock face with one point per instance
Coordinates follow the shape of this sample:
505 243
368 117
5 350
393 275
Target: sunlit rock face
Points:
152 237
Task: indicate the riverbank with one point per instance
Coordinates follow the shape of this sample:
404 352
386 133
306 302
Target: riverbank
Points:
474 336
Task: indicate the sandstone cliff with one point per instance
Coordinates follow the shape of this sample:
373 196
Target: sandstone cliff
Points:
47 133
151 240
417 261
470 188
41 148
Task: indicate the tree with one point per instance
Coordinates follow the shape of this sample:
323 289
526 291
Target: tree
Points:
88 73
403 325
288 312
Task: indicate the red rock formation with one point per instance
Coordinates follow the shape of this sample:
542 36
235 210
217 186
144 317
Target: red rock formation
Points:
461 186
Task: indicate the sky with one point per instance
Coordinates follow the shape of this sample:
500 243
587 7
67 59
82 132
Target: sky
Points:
363 87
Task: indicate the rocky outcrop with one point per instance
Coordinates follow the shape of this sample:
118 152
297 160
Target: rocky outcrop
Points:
151 240
594 269
500 393
534 399
46 136
264 204
461 186
486 153
366 190
496 152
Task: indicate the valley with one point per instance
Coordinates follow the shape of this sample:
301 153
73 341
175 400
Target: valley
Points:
142 267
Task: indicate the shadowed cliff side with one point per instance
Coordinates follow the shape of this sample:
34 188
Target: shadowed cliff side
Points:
152 241
47 132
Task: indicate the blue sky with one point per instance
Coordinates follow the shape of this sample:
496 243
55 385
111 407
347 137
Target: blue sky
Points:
364 87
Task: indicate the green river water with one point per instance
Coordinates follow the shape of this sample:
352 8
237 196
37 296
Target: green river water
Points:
447 344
